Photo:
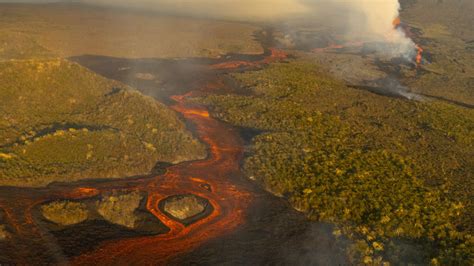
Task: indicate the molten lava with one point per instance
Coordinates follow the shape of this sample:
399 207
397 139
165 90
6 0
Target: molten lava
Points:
211 179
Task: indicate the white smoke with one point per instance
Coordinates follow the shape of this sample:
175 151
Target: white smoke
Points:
375 22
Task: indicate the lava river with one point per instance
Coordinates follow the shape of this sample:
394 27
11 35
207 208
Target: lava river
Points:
213 179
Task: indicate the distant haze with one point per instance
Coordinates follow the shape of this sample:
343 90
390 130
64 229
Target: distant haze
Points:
368 20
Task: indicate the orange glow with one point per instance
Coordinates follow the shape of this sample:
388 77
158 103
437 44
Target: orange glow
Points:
232 65
396 22
83 192
197 112
230 199
276 55
419 55
196 179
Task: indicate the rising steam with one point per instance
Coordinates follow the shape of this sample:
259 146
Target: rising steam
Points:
361 20
379 20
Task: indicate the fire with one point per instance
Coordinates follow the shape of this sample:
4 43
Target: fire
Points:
396 22
275 55
419 55
83 192
232 65
197 112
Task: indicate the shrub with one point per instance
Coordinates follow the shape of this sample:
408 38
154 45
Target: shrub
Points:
120 208
65 212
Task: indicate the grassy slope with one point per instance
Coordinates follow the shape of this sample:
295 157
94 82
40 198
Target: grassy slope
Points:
448 35
61 122
74 30
65 212
385 170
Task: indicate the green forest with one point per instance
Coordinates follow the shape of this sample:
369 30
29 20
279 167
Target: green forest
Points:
394 175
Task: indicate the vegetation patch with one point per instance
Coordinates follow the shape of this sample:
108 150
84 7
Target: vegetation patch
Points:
120 208
184 207
394 175
446 31
75 30
61 122
65 212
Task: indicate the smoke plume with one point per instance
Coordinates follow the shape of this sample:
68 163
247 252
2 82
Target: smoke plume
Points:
368 21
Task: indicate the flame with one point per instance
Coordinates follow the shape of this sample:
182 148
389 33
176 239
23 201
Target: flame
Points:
396 22
191 112
419 55
407 31
83 192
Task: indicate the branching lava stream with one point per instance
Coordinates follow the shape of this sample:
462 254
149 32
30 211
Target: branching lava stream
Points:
215 179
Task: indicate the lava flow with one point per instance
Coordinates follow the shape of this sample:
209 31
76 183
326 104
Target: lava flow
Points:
208 179
215 179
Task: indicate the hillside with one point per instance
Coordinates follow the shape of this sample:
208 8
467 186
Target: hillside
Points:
61 122
446 33
74 30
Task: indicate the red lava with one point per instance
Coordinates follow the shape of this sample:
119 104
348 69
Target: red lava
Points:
210 179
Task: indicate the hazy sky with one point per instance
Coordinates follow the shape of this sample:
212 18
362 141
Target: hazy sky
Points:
27 1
